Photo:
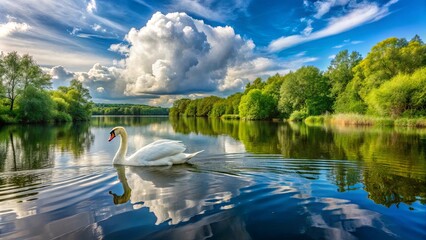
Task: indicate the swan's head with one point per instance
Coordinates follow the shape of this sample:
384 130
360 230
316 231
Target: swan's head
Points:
115 132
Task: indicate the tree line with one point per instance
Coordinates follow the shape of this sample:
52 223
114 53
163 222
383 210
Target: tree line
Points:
389 82
25 95
127 109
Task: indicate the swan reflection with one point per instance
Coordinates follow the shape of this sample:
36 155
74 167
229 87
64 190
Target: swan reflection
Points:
177 193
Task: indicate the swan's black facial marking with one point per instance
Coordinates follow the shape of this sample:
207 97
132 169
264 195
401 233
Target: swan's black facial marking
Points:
111 135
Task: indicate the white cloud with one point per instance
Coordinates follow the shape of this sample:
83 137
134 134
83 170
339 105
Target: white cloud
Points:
308 29
323 7
175 54
360 14
51 44
98 28
120 48
11 27
347 42
91 6
60 76
101 77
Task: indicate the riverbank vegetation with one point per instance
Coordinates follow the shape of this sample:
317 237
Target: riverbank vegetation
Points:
387 87
25 95
127 109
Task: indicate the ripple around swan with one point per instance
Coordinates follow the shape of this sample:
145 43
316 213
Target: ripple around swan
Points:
232 195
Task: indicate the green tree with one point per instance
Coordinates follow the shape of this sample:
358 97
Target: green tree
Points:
205 105
403 95
257 84
179 107
232 103
256 105
306 88
75 100
80 104
191 109
17 73
35 105
219 108
340 71
387 59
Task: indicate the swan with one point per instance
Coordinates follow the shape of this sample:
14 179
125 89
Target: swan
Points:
162 152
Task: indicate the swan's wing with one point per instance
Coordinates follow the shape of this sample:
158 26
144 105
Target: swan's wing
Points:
157 150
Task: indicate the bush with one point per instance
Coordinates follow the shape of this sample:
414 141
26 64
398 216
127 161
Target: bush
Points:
61 117
298 115
403 95
312 120
35 106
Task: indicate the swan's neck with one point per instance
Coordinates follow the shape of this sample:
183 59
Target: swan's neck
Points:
120 156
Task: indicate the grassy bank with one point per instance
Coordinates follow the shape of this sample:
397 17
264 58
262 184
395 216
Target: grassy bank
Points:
364 120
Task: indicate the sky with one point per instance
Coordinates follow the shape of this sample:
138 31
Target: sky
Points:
154 52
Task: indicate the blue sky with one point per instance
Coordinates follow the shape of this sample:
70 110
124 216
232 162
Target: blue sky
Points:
157 51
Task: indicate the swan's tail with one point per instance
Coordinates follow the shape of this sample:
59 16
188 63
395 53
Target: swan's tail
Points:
191 155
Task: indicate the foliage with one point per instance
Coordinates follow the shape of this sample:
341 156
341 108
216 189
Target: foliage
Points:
205 105
35 105
17 73
256 105
127 109
340 71
306 89
298 115
403 95
179 107
73 101
219 108
257 84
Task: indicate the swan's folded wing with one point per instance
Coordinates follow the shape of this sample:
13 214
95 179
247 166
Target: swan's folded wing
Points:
157 150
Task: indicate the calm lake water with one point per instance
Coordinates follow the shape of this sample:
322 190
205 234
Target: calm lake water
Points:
255 180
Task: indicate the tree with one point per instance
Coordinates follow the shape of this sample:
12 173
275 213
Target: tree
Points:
307 89
179 107
17 73
256 105
35 105
257 84
75 99
340 71
191 109
219 108
80 104
403 95
205 105
387 59
272 88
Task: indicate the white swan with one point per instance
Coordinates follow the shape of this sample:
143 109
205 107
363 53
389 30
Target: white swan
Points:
159 153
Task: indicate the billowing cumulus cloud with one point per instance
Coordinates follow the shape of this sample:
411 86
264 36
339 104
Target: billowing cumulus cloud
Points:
103 82
60 76
176 54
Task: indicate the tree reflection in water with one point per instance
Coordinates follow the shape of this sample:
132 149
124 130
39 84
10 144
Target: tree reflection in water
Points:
391 162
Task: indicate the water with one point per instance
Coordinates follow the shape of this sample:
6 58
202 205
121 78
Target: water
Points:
255 180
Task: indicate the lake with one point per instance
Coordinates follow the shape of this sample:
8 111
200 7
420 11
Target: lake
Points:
255 180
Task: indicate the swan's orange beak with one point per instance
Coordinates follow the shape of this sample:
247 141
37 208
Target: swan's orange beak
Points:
111 136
